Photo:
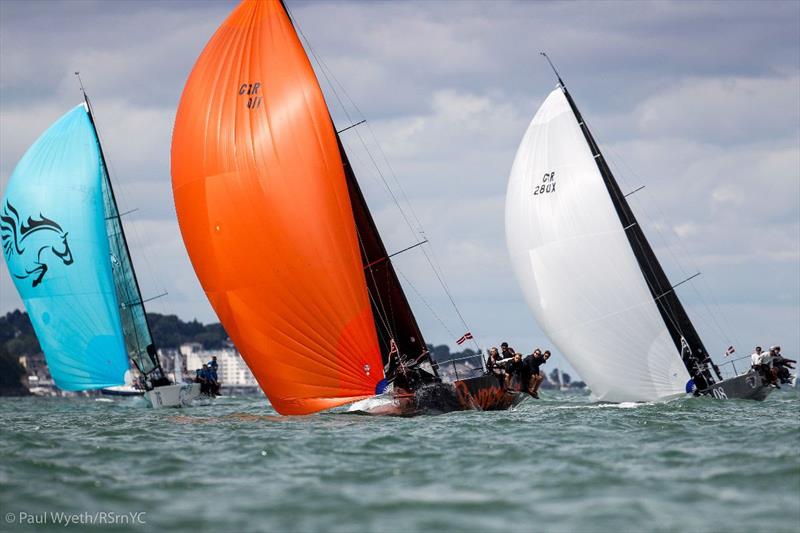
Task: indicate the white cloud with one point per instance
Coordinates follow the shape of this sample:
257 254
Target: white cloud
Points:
727 197
723 110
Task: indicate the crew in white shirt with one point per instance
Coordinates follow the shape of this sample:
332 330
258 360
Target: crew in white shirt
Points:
755 357
766 359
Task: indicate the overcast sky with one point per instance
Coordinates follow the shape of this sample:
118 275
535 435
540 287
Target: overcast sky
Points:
698 101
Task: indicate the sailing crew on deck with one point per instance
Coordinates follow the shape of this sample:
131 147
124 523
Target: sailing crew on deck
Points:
202 377
761 362
781 365
755 359
493 365
534 361
515 371
766 368
506 351
213 381
213 366
529 374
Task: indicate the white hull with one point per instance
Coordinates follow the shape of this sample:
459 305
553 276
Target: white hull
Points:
121 390
177 395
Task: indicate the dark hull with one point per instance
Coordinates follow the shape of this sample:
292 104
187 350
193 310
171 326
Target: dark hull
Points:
482 393
486 393
750 386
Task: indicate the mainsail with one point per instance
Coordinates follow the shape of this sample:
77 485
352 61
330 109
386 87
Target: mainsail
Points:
267 215
52 223
587 272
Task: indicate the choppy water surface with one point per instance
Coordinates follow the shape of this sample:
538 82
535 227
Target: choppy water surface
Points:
560 464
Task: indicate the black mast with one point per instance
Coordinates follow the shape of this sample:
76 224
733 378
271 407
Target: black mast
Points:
679 325
394 318
156 375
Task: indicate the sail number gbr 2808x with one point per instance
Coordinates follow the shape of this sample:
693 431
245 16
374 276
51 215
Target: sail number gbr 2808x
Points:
547 185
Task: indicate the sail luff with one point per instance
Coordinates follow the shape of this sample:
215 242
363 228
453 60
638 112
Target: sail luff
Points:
147 353
672 312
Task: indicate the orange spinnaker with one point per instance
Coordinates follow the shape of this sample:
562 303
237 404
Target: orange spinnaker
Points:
265 214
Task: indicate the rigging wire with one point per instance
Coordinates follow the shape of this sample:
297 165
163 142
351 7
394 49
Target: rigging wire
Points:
384 316
714 322
594 145
132 300
121 190
666 304
435 315
329 76
432 259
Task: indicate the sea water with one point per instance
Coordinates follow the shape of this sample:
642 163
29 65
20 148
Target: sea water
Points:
561 463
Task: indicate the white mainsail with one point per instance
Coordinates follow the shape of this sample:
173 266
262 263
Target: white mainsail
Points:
576 267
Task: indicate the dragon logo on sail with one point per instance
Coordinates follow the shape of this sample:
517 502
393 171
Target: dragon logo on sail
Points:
31 240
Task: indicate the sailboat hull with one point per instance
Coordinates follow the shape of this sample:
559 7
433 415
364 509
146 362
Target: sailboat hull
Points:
486 393
121 390
176 395
749 386
482 393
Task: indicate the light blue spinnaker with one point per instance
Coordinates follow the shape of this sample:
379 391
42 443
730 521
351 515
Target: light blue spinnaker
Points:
53 229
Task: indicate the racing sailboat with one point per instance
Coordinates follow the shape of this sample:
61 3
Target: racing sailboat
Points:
67 254
281 237
590 276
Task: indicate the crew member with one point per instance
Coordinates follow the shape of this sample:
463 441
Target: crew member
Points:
202 377
526 386
536 360
755 359
506 351
493 365
766 368
781 365
213 366
515 371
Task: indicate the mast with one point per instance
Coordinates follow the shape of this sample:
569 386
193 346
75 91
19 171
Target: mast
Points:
394 318
677 321
153 371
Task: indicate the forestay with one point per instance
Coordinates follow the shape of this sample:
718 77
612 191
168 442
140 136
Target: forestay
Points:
131 307
576 267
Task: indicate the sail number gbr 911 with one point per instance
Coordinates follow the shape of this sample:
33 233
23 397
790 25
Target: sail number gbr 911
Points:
250 90
547 185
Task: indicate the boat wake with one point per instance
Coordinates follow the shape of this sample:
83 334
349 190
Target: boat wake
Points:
622 405
376 405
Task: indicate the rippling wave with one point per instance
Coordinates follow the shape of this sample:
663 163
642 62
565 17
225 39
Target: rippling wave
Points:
559 464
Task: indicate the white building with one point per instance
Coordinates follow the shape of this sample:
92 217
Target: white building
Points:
233 372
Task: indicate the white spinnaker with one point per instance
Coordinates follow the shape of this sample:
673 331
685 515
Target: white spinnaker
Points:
577 270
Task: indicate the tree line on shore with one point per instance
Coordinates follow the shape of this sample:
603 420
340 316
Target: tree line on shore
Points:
18 339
